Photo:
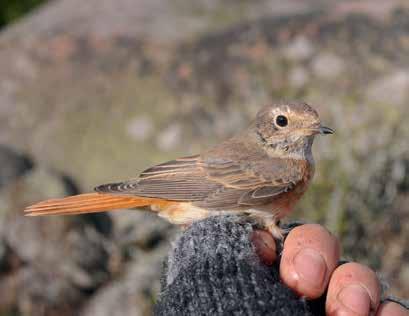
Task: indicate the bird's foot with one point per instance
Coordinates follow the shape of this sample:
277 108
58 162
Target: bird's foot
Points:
268 222
275 230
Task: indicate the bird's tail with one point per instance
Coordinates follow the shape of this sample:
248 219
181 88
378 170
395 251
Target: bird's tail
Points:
88 203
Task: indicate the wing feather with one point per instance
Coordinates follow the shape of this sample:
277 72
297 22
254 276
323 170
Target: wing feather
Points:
215 183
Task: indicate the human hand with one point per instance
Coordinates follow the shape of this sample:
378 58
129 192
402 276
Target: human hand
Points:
309 266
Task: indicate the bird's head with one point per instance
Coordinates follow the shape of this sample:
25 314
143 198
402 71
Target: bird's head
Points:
289 127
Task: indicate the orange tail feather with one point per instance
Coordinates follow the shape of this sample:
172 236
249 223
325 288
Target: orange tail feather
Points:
87 203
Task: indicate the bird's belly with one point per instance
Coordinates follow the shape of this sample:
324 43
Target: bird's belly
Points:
182 213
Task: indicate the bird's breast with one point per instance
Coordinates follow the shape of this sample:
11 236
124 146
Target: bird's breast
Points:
286 202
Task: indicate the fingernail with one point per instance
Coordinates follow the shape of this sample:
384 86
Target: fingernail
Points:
311 267
355 298
265 246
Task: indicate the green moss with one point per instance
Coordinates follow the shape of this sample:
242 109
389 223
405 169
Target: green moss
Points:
11 10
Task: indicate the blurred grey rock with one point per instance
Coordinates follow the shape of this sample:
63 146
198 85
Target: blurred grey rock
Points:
131 294
61 257
61 261
140 128
391 89
12 164
3 256
39 289
141 229
299 49
298 77
327 66
169 137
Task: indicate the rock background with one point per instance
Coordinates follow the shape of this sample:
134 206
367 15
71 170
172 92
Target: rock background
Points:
95 91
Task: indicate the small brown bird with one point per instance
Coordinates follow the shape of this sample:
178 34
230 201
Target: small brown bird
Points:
261 172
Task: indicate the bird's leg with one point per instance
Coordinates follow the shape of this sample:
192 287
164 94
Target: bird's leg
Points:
272 226
268 222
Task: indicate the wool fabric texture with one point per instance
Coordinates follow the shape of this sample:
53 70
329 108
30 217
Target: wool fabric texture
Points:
213 270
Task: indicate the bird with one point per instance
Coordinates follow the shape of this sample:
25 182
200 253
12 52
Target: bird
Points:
262 172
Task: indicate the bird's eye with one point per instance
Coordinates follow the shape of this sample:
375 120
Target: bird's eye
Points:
281 121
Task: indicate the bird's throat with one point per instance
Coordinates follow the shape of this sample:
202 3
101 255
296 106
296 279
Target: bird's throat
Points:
300 148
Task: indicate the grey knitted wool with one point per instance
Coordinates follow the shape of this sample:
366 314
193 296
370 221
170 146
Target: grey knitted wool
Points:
213 270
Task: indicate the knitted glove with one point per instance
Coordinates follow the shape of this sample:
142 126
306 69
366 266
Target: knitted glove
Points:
213 270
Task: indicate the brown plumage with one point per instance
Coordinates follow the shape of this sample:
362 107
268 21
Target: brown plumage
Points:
263 171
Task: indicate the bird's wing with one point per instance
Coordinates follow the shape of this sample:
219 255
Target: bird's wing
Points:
211 183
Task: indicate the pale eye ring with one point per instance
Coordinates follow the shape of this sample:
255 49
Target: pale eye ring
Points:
281 121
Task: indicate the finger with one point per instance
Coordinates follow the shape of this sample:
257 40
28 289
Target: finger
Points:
309 256
265 246
354 289
392 309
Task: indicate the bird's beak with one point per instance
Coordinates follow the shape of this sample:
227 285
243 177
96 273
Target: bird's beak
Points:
317 129
323 130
